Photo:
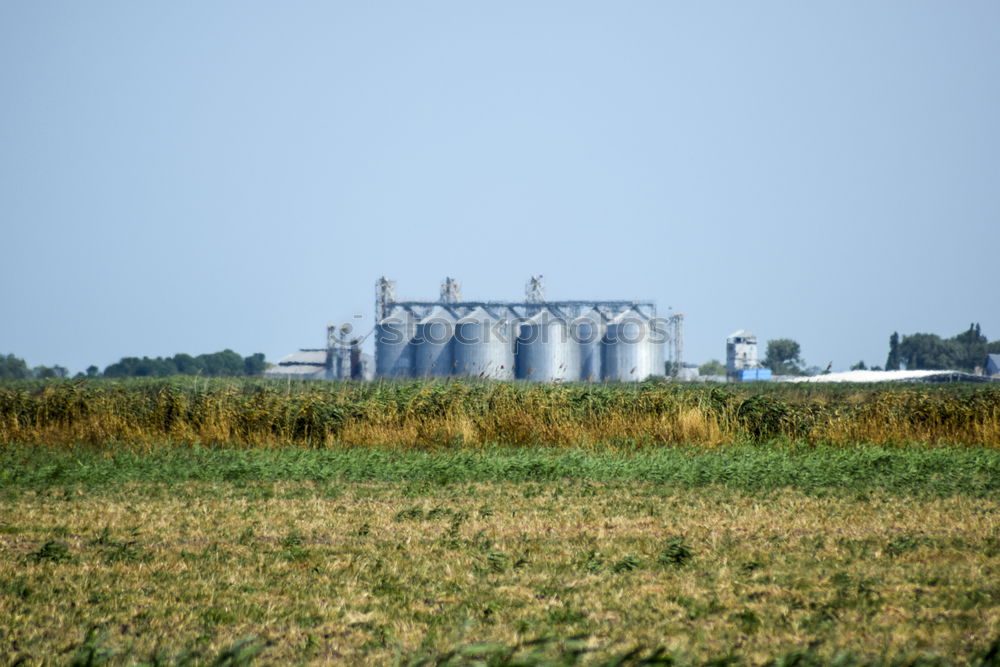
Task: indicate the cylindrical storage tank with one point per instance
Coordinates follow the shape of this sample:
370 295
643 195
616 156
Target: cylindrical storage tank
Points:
659 335
631 353
432 343
588 333
483 346
546 352
393 352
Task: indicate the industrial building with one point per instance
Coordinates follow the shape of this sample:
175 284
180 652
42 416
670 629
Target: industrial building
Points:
742 362
341 359
533 339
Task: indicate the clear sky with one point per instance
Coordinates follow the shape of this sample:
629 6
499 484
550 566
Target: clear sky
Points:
187 176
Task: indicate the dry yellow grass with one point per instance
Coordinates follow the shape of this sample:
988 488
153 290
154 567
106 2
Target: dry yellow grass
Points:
368 573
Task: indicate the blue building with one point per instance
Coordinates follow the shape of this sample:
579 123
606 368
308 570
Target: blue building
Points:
754 374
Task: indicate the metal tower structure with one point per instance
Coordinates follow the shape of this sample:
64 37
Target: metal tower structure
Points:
676 352
451 291
385 293
534 291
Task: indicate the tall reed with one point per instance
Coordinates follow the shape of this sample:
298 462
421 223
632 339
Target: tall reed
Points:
438 414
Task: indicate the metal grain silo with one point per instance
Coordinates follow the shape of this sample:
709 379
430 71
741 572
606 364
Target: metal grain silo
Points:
483 345
393 351
587 332
546 350
631 352
432 344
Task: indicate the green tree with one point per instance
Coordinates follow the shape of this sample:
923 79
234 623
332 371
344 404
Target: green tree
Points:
712 367
124 367
186 364
972 346
12 368
926 351
860 366
892 362
93 371
145 367
254 364
993 347
221 364
782 357
45 372
965 351
217 364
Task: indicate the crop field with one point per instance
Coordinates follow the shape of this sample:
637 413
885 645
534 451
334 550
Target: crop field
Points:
179 522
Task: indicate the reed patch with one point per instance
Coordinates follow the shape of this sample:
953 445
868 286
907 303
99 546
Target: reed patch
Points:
434 415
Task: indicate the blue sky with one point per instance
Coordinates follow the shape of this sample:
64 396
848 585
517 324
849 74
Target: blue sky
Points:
189 176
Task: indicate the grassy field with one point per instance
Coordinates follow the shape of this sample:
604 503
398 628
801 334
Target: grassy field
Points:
239 526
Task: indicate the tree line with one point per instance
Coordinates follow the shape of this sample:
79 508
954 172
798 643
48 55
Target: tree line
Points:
965 351
12 368
217 364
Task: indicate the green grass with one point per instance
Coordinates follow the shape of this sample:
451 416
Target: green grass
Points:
911 469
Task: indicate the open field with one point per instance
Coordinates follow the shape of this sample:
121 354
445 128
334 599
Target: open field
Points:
176 522
157 557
